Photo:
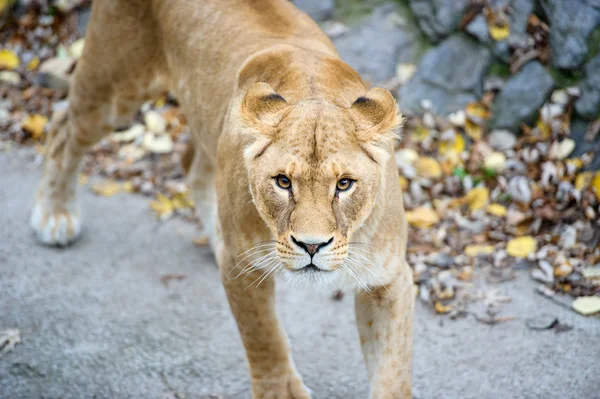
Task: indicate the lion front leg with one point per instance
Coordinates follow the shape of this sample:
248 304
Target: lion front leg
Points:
384 321
272 370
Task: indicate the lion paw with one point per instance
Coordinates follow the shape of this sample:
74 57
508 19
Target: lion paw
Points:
55 228
294 388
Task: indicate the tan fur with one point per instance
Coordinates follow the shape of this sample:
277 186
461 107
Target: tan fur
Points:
265 94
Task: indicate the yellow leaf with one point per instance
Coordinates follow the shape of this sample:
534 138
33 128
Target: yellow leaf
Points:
476 250
420 133
583 180
499 31
428 167
587 305
596 185
496 210
33 64
9 59
442 309
403 183
422 217
544 130
35 124
456 147
473 130
477 112
182 200
128 187
477 198
83 179
521 247
163 207
106 188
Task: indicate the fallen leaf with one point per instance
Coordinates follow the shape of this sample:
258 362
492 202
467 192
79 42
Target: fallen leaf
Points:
182 200
8 340
201 241
496 161
587 305
35 125
496 210
456 146
167 278
477 198
498 24
596 185
158 143
33 64
83 179
155 122
441 308
11 77
422 217
162 206
76 49
9 59
403 183
521 247
130 134
428 167
477 250
106 188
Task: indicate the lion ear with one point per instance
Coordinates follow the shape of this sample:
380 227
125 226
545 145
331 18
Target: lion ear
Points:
376 115
261 105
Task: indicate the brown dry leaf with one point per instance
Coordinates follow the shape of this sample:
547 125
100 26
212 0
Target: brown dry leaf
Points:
9 59
496 210
167 278
162 206
521 247
35 125
441 308
422 217
477 250
201 241
428 167
106 188
477 198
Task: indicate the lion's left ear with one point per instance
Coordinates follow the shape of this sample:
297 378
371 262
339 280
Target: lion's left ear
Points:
376 116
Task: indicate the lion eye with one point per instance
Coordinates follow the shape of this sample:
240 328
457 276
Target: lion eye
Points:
283 182
344 184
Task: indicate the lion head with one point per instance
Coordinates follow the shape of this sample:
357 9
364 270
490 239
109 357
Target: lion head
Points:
315 171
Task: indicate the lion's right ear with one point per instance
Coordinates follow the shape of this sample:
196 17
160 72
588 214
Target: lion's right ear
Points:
262 106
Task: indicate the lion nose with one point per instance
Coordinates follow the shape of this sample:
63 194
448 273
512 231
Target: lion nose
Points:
311 248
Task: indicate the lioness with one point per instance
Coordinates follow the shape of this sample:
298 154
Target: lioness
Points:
293 170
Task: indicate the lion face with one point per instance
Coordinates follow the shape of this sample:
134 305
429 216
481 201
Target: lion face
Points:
315 170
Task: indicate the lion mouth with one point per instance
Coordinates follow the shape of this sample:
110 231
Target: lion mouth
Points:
311 268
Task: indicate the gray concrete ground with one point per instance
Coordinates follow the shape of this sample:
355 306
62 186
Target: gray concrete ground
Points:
97 322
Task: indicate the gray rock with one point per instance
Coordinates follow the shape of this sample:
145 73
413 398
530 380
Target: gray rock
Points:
578 129
449 75
320 10
438 18
521 9
588 105
572 22
521 97
384 38
502 140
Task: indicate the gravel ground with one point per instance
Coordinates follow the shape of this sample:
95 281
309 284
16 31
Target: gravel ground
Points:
97 322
